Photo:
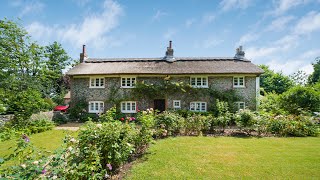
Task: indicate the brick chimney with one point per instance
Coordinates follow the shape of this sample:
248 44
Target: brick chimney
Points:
169 53
83 55
239 53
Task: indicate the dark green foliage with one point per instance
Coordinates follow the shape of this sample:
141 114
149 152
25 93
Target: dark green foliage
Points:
171 122
28 71
24 104
292 125
78 109
246 120
271 81
60 118
299 99
270 103
315 76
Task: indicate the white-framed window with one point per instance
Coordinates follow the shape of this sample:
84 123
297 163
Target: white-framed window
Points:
198 106
238 81
199 81
176 104
241 105
96 106
96 82
128 106
128 82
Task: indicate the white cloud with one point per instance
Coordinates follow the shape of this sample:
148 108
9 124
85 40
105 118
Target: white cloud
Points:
234 4
308 23
189 22
288 67
93 29
249 37
27 7
169 33
208 18
280 23
282 6
158 15
311 54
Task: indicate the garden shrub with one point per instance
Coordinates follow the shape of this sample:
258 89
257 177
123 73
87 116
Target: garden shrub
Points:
42 125
171 122
301 98
223 115
245 120
197 124
292 125
270 103
146 118
109 116
77 109
60 118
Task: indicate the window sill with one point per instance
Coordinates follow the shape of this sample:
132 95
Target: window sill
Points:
127 87
240 87
129 112
96 87
200 86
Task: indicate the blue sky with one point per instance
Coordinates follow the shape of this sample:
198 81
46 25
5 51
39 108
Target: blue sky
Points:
283 34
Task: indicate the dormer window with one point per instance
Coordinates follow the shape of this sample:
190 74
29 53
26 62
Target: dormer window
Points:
238 81
96 82
199 81
128 82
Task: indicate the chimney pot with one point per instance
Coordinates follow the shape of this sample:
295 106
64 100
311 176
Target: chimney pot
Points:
240 53
170 44
83 55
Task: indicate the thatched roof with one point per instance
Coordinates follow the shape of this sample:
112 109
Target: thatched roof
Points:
180 65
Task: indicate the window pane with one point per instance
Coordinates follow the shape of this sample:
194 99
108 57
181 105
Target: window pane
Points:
102 82
128 107
91 82
198 81
123 82
197 106
235 81
128 81
193 81
241 81
133 106
192 106
101 107
204 81
96 106
203 106
123 106
133 81
91 106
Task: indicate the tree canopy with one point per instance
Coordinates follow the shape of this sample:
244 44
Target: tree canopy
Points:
315 76
28 72
272 81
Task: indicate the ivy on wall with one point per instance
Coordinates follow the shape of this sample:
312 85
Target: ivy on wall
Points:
165 88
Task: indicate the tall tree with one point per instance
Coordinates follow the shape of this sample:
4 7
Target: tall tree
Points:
28 71
315 76
271 81
56 61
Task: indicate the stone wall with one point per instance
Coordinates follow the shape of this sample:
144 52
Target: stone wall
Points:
112 93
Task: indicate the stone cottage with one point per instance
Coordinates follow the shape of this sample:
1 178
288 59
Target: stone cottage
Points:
105 82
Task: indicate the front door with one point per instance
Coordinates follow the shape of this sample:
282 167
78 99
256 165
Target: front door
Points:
160 104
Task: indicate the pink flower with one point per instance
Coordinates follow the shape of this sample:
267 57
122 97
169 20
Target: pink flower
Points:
122 119
133 118
109 166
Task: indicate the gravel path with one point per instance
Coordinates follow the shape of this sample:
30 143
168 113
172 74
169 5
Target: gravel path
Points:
69 126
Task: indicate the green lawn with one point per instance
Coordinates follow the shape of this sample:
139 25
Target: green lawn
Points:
49 140
230 158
